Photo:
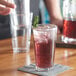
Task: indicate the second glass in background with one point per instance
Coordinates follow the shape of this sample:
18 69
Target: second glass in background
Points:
21 25
69 27
44 46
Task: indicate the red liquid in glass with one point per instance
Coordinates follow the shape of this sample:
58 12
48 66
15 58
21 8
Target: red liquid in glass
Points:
43 51
69 29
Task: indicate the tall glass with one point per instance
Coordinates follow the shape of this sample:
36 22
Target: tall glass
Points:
69 15
21 25
44 45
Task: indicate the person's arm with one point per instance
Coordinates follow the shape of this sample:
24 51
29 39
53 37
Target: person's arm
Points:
53 8
5 7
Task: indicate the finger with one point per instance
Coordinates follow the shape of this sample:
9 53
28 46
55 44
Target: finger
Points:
7 4
4 11
58 31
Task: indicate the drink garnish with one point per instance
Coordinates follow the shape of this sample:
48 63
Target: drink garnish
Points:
35 21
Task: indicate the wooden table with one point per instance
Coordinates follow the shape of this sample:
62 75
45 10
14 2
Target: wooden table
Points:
9 61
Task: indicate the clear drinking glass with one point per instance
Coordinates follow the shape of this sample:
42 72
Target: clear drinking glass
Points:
69 15
20 25
44 46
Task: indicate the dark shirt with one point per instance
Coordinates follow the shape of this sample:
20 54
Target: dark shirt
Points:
5 31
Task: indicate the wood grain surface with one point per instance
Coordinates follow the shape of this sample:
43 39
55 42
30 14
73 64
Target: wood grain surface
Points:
10 62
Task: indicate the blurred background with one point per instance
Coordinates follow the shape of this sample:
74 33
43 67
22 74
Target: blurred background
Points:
41 11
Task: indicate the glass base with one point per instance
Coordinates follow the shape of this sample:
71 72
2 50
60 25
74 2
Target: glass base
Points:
42 69
68 40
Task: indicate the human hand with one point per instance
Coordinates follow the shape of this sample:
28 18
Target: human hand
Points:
5 7
59 23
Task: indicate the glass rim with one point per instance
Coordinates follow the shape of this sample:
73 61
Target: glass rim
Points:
52 26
